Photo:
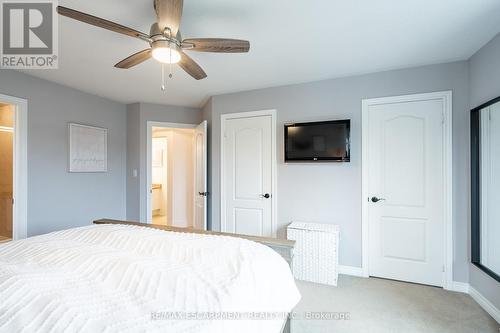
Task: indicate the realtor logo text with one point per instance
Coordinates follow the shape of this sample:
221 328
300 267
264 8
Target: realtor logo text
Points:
29 35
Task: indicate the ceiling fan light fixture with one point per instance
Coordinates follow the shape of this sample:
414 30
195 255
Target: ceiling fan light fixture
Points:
165 41
166 53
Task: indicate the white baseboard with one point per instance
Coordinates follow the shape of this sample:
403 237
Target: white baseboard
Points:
485 304
350 270
461 287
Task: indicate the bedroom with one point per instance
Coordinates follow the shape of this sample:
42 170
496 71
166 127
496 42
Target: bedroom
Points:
378 53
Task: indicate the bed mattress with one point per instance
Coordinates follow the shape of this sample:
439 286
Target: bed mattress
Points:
121 278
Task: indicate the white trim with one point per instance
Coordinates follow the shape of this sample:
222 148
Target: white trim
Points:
146 215
20 207
274 183
446 97
485 304
350 270
460 287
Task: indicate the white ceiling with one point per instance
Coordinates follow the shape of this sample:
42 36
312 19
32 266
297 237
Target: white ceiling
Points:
292 41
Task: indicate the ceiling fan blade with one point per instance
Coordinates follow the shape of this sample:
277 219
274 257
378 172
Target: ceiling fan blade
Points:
217 45
134 59
191 67
169 14
102 23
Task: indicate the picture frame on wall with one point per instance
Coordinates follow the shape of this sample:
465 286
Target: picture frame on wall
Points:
88 148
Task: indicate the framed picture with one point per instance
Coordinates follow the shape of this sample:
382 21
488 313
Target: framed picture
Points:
88 148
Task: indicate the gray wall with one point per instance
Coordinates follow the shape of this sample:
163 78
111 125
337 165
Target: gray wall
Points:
332 192
58 199
138 115
133 160
484 86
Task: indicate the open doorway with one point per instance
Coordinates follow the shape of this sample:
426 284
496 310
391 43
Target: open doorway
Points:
13 168
6 171
177 175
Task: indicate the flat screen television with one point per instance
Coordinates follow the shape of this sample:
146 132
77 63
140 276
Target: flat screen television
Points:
318 141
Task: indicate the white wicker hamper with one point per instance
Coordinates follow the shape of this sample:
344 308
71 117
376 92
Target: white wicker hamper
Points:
315 257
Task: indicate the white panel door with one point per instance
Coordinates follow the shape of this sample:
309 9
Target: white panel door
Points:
200 193
406 189
248 176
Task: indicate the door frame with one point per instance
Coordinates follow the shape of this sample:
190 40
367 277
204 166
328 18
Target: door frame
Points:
20 167
446 98
147 214
274 182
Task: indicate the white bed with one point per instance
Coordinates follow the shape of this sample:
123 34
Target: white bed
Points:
123 278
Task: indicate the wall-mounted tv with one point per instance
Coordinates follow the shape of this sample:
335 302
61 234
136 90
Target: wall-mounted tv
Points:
318 141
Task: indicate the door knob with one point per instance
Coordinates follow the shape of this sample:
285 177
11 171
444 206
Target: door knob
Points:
265 196
203 194
375 199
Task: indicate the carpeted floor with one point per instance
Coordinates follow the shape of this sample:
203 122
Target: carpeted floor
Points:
377 305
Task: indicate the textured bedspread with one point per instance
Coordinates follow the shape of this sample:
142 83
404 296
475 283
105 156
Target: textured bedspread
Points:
117 278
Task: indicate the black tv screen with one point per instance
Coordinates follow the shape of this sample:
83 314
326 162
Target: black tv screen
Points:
318 141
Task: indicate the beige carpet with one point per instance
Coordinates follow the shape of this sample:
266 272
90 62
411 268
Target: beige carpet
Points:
377 305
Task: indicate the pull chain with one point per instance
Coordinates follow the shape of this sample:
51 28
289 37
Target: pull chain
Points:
162 77
170 67
163 83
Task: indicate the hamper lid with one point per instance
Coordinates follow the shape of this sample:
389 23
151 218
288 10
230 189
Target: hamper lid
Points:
323 227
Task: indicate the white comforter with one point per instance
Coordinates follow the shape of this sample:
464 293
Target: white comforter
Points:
117 278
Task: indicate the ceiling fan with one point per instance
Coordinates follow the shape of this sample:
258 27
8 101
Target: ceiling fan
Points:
165 41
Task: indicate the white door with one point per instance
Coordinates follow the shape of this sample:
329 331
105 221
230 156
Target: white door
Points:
200 193
406 190
247 176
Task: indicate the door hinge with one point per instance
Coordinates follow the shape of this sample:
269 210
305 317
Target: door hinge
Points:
12 201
